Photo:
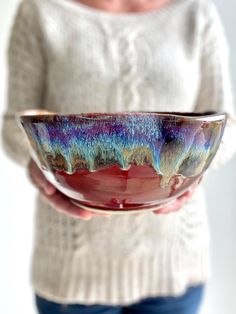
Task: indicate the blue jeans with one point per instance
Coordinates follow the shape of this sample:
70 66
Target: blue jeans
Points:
188 303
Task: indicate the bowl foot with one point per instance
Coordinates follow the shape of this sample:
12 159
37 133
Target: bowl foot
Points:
117 211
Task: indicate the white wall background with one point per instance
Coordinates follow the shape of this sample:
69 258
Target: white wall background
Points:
16 222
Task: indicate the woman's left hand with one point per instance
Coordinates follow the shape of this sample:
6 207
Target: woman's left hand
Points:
179 202
176 204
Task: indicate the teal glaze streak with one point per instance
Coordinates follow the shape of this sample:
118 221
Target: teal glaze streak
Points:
185 155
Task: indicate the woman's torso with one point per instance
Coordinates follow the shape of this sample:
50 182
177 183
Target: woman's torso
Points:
100 61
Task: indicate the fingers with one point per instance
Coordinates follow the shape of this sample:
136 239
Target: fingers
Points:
176 204
63 204
169 208
101 214
58 200
38 179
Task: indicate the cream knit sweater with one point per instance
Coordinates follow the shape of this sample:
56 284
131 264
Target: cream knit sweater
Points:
70 58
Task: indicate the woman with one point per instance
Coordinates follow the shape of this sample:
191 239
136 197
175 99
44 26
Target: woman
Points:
96 55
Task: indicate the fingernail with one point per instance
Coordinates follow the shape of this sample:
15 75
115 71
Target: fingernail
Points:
87 217
48 189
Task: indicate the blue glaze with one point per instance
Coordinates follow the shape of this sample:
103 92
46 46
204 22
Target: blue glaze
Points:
173 145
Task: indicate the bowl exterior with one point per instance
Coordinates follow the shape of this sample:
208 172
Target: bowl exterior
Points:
123 161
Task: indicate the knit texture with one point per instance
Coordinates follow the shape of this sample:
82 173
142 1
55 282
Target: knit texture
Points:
69 58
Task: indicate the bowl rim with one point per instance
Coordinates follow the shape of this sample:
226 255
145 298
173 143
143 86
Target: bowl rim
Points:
44 116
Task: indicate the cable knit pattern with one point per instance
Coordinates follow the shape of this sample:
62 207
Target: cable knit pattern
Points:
70 58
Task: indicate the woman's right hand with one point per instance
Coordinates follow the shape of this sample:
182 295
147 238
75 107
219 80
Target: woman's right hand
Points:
59 201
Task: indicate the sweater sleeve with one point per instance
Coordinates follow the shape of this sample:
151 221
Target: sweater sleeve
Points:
26 75
215 93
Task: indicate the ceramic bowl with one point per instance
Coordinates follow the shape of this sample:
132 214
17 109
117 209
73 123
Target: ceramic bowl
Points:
123 162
